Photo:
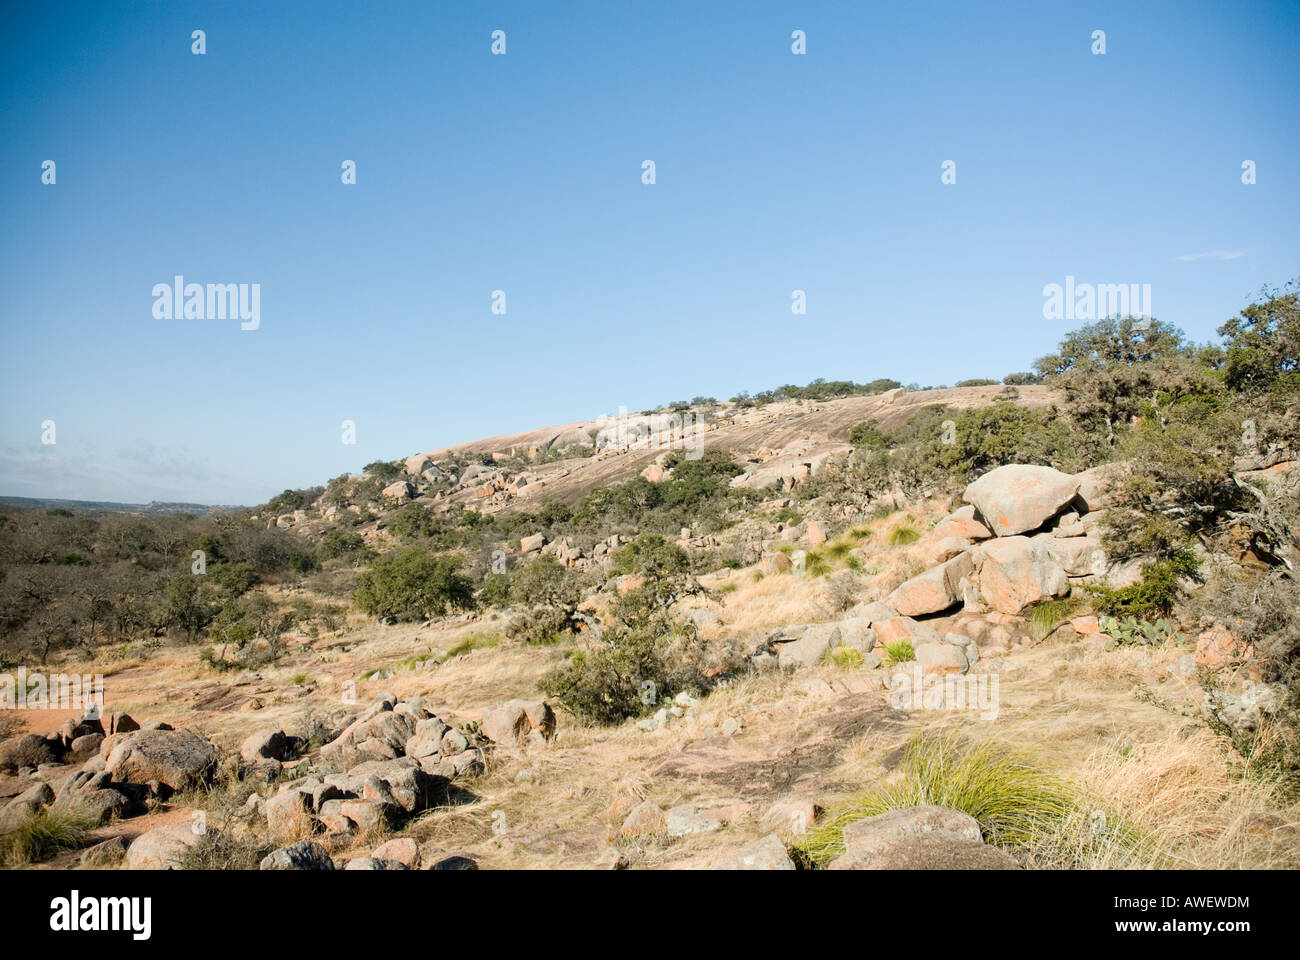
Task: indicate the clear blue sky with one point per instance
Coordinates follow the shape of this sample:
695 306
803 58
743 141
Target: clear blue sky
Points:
522 172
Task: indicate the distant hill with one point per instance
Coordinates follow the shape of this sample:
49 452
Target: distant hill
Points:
104 506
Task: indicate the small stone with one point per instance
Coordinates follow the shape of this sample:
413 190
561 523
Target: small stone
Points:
645 819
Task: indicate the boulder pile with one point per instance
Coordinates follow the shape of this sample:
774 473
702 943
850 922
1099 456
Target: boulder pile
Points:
398 759
113 774
1026 534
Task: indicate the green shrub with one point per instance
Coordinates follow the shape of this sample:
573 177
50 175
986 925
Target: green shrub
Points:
902 535
865 436
1132 631
843 657
1154 597
900 651
383 470
540 625
232 579
341 542
411 584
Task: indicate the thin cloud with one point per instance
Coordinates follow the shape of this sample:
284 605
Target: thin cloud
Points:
1213 255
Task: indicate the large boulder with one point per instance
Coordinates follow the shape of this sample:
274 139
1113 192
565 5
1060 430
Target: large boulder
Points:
937 589
898 629
961 523
32 799
518 722
865 840
1016 572
381 736
809 646
931 852
1097 486
162 847
427 739
399 490
103 805
417 464
289 813
856 632
941 658
265 744
177 758
1077 556
1017 497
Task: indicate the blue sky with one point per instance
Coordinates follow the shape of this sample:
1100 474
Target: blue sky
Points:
522 173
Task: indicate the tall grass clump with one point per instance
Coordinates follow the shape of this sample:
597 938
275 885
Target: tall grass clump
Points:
1018 805
900 651
45 833
1047 615
901 536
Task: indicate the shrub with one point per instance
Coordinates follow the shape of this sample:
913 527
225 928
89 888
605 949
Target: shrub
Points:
411 584
540 625
865 436
220 850
341 542
903 535
1152 598
232 579
1022 379
184 606
900 651
494 591
843 657
383 470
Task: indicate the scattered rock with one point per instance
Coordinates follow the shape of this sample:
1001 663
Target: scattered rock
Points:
766 854
645 819
109 853
686 820
403 850
303 855
516 721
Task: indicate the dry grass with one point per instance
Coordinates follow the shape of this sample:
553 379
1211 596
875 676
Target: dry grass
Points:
773 602
1203 810
1014 801
1112 726
54 829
